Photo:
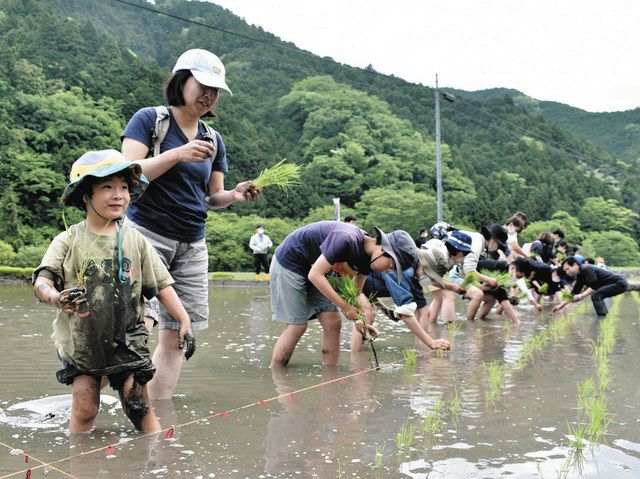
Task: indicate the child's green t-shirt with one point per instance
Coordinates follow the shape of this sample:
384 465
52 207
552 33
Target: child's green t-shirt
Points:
113 338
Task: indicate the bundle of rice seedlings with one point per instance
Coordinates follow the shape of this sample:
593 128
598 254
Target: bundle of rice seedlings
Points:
504 279
566 296
470 280
544 287
283 175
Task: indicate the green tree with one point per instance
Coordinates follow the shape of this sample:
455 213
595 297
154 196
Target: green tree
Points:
600 214
617 248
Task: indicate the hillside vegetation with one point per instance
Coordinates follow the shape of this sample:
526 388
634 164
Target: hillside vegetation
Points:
76 70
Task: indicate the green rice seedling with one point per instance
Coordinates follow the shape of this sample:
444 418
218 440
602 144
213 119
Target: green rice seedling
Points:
599 419
470 280
604 380
566 296
544 287
433 419
455 405
410 358
453 327
405 436
439 353
378 460
478 334
283 175
495 377
577 445
585 389
503 278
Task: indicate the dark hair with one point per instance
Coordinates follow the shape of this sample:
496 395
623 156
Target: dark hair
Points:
259 226
522 216
516 222
453 250
350 218
523 265
589 261
563 243
570 261
559 232
546 238
422 230
173 87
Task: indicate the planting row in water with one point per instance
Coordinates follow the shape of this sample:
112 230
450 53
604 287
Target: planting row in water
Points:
593 419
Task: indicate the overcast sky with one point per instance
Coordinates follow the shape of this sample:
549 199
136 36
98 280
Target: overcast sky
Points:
583 53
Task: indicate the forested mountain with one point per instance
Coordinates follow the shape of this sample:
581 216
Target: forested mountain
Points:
618 132
75 70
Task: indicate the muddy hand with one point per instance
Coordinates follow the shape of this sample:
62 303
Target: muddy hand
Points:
71 299
189 345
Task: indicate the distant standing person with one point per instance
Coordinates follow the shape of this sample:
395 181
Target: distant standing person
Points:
422 238
351 219
599 282
260 244
186 173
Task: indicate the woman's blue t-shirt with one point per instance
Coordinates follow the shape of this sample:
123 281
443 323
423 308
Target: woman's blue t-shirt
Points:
174 203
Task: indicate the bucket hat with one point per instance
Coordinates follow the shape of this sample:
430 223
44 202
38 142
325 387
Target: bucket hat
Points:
459 240
497 232
440 230
204 66
100 164
400 246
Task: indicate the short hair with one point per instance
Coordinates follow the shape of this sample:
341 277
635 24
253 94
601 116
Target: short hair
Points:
589 261
546 238
173 87
563 243
259 226
559 232
350 218
523 265
422 230
570 261
86 186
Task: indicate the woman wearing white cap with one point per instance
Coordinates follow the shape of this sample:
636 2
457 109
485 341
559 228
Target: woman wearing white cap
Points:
185 162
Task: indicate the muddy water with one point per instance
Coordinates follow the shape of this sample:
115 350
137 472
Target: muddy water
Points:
334 428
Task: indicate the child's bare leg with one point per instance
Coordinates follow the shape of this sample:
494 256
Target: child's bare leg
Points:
475 296
331 326
286 344
137 406
86 403
167 358
485 309
436 305
509 311
448 307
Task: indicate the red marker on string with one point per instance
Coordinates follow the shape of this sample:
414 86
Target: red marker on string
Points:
261 403
292 394
169 433
111 450
28 474
26 458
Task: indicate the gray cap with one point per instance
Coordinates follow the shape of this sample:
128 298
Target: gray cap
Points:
400 246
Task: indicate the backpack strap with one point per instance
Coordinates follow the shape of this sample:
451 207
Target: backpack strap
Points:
161 127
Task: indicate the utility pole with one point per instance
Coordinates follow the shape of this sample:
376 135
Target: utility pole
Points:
438 157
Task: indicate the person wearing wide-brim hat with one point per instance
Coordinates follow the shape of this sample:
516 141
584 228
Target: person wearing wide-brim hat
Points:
100 270
185 162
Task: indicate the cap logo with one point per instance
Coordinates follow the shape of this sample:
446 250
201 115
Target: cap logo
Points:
217 70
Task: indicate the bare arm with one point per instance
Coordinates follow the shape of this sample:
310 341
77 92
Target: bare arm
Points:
220 198
46 292
412 323
194 151
317 277
169 299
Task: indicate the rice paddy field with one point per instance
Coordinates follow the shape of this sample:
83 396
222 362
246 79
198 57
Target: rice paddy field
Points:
556 396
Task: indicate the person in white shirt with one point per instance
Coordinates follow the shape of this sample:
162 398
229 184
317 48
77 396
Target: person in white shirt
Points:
260 244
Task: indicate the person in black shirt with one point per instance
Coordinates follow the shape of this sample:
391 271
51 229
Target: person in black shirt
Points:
600 284
422 238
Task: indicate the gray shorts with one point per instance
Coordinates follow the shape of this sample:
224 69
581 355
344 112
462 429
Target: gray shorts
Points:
188 264
294 300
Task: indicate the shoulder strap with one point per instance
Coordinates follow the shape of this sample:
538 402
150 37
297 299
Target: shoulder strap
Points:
160 129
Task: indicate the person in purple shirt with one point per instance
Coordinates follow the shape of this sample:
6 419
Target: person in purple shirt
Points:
300 290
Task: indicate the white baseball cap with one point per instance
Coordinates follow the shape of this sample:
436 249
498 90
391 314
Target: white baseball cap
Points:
204 66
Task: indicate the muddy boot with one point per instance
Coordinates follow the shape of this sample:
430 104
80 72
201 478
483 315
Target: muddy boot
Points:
258 278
